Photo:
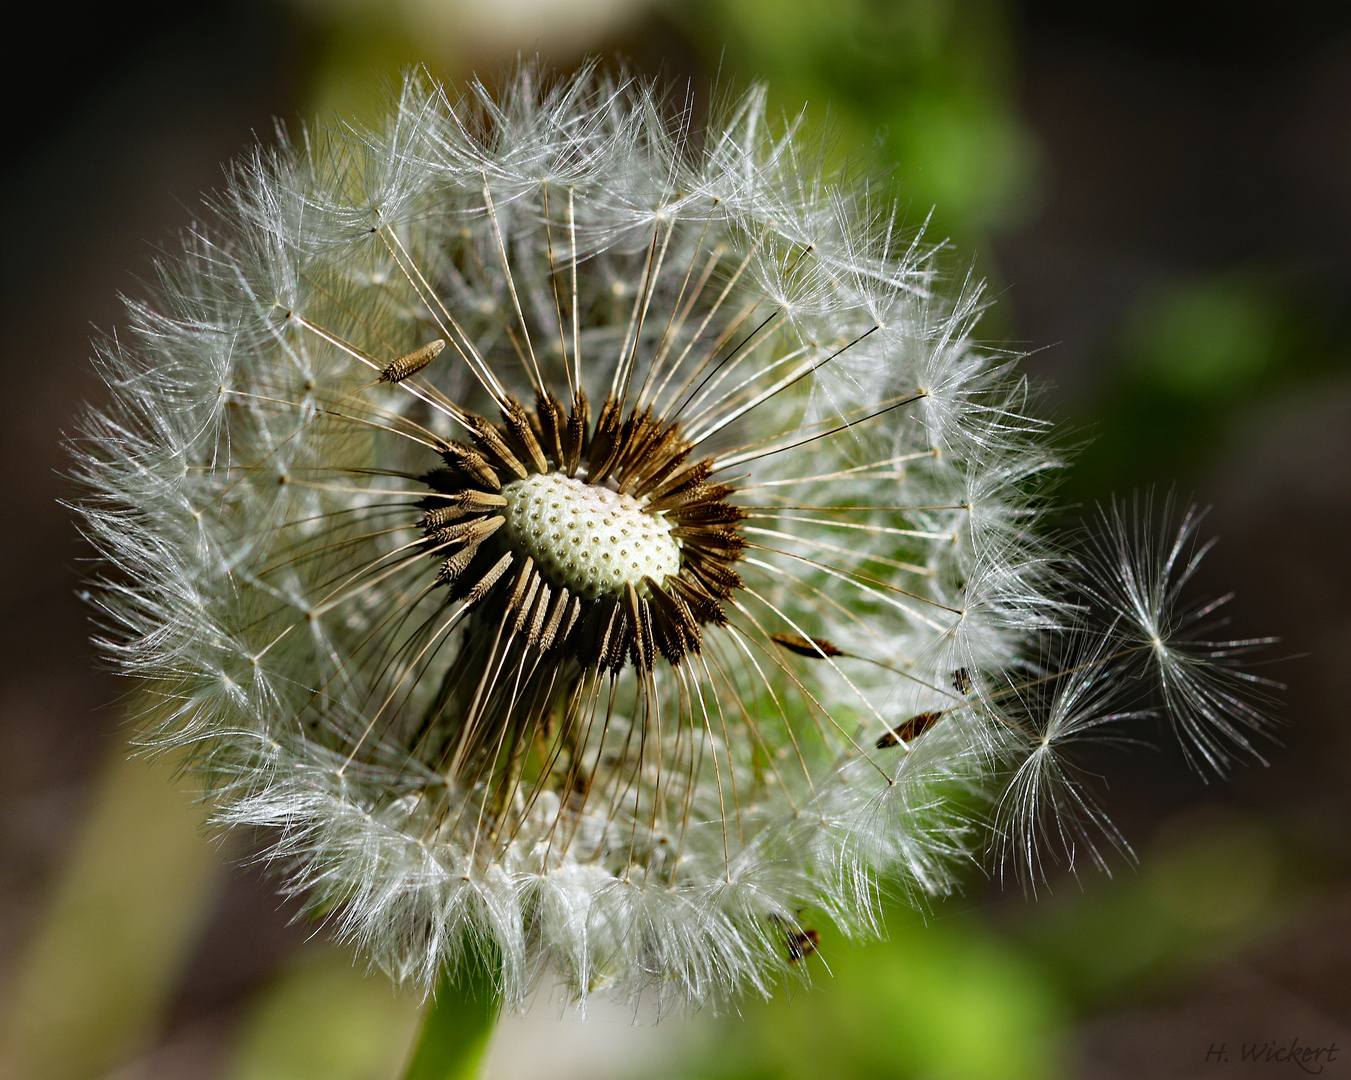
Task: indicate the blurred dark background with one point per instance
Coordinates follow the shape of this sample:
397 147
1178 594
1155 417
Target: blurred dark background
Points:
1160 194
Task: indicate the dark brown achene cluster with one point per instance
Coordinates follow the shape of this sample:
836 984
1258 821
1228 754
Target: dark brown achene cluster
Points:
637 465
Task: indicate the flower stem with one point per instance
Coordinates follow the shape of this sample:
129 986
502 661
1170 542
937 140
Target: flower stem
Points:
458 1024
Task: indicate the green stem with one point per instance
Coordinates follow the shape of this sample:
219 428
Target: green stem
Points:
458 1024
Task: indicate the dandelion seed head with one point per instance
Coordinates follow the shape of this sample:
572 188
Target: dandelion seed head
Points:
569 537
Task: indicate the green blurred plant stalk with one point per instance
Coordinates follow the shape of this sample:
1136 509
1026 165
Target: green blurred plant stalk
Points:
458 1025
124 915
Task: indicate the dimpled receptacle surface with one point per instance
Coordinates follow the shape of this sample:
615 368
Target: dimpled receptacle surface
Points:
586 537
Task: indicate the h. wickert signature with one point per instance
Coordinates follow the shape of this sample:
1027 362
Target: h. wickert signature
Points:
1310 1059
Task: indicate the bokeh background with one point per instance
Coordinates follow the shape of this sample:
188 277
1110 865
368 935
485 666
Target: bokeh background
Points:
1160 194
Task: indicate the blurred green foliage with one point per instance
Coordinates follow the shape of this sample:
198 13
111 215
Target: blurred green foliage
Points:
926 83
989 994
109 947
943 998
1208 884
322 1019
1191 358
1211 338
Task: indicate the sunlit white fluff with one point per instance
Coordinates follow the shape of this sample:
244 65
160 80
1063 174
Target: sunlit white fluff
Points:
435 779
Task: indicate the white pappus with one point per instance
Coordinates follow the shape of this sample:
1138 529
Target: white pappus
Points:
598 544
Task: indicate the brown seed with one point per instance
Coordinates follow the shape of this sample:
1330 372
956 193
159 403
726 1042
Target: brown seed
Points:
467 460
442 516
551 424
472 533
575 436
550 629
454 566
492 443
910 730
488 580
518 424
472 501
527 603
813 648
802 943
408 365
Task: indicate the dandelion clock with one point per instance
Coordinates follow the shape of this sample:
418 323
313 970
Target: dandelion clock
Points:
599 546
